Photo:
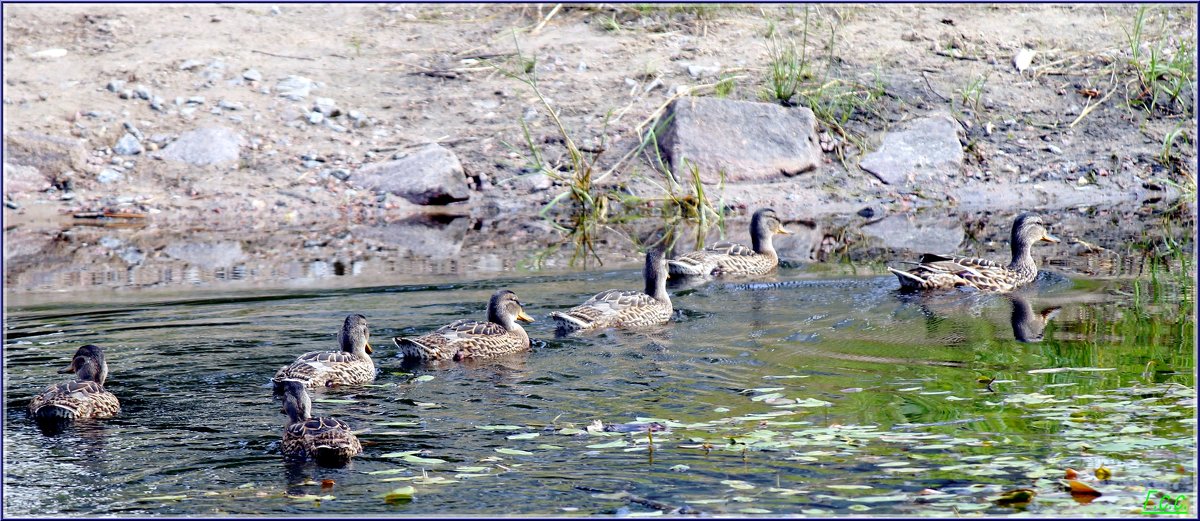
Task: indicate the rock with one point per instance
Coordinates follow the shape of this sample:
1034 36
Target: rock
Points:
429 175
196 100
327 107
207 254
188 65
746 140
109 176
923 150
204 146
115 86
533 183
20 179
275 11
50 155
141 92
230 105
295 88
700 71
252 75
315 118
128 145
125 94
156 103
358 118
134 130
926 235
49 54
422 236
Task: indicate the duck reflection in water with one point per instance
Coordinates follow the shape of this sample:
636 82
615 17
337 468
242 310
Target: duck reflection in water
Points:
1029 326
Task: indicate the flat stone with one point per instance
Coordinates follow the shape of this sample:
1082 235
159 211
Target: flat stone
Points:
429 175
207 254
327 107
109 176
295 88
252 75
188 65
51 155
204 146
745 140
20 179
128 145
921 234
924 149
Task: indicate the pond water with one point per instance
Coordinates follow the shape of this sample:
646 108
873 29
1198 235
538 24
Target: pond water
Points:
811 392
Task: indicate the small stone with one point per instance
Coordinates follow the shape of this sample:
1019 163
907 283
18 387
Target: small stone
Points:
187 111
275 11
141 92
230 105
340 173
1082 181
49 54
311 164
295 88
315 118
126 94
128 145
1053 149
327 107
156 103
653 85
582 67
700 71
188 65
134 130
252 75
115 86
196 100
109 176
867 212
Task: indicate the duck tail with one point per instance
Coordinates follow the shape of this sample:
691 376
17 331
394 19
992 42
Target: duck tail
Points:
686 267
569 322
907 280
55 412
328 456
411 348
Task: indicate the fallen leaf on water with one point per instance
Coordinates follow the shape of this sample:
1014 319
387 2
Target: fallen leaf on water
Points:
1072 473
399 494
1103 473
738 484
1078 488
421 461
499 427
423 378
1018 497
163 498
327 484
523 436
514 452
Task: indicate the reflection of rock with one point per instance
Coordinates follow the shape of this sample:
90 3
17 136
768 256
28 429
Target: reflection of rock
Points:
423 236
746 140
207 254
926 148
802 244
430 175
20 179
1027 325
934 235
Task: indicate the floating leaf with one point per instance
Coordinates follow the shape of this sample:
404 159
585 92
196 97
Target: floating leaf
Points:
333 400
513 452
752 510
401 494
1103 473
679 468
548 446
880 499
609 445
423 378
1017 497
499 427
418 460
737 484
399 424
812 402
1072 473
399 454
1079 488
388 471
471 469
849 487
523 436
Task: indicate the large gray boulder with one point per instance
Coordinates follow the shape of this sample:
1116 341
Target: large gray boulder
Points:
919 233
923 150
748 141
429 175
205 146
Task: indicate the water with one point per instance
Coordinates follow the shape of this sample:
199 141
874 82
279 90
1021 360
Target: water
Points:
786 396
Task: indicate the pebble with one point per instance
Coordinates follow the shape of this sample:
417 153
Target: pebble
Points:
315 118
1053 149
196 100
340 173
700 71
156 103
252 75
530 114
295 88
134 130
141 92
230 105
275 11
654 85
582 67
311 164
128 145
327 107
109 176
188 65
126 94
115 86
187 111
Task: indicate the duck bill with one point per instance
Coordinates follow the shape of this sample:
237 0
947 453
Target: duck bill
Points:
523 317
70 368
369 350
782 230
1050 238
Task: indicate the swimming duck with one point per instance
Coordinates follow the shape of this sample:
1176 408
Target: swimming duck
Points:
728 258
352 365
463 339
1029 326
949 271
624 308
85 397
327 441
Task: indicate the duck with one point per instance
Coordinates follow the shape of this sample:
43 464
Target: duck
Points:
935 271
729 258
326 441
471 339
82 398
352 365
623 308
